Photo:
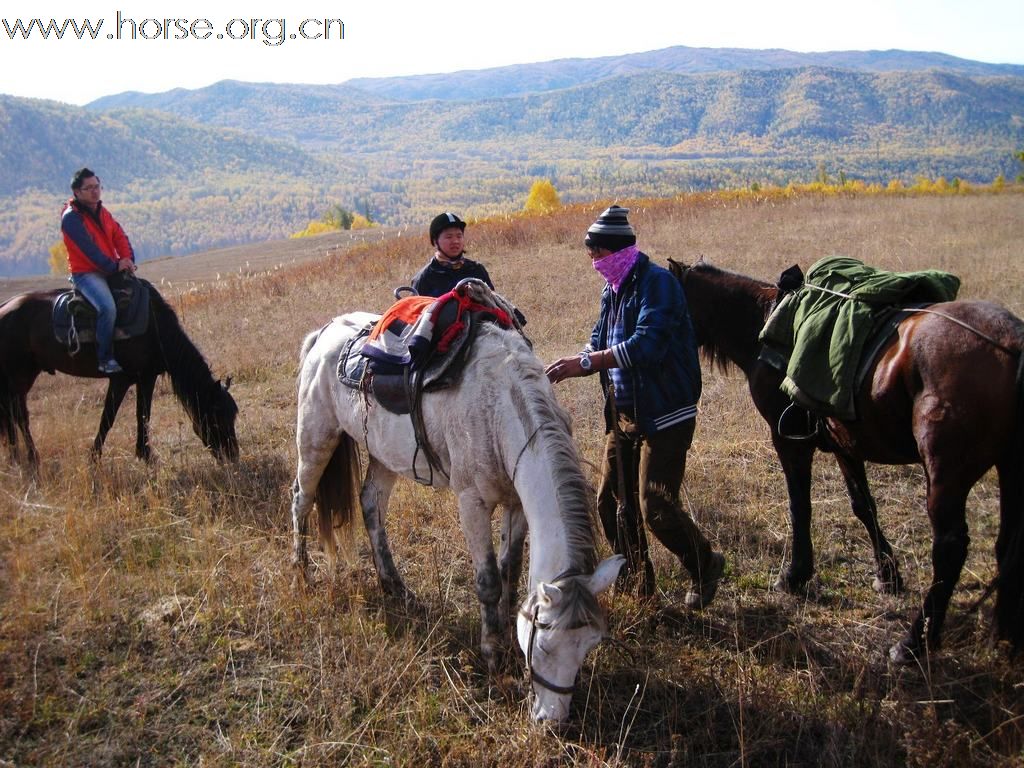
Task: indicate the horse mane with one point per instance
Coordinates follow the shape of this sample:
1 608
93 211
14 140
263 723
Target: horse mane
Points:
733 305
190 374
543 417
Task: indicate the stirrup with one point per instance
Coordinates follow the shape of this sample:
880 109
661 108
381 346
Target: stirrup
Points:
801 424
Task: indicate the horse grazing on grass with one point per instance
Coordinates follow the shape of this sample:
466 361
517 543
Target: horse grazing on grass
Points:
28 347
498 436
945 392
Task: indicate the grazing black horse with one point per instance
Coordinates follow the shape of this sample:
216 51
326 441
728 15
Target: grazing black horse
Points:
28 347
946 392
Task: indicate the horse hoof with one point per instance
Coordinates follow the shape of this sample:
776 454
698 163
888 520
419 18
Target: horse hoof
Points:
790 585
902 653
887 586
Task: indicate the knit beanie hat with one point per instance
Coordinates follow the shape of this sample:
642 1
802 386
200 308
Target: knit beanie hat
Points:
611 230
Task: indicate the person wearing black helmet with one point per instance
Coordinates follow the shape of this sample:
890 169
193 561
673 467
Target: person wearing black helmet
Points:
449 264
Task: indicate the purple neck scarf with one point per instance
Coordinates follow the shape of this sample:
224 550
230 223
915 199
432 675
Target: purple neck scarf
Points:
616 266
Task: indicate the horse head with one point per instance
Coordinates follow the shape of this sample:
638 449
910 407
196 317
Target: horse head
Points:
558 625
216 426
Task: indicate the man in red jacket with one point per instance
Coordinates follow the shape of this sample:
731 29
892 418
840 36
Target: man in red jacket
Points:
97 248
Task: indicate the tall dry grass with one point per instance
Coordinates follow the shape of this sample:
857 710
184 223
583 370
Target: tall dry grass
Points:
147 615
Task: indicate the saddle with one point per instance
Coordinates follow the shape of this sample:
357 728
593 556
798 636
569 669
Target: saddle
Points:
74 318
417 346
824 331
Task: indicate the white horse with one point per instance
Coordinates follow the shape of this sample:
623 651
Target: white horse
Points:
499 437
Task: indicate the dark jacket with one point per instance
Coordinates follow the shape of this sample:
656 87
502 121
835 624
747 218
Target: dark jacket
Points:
436 279
659 351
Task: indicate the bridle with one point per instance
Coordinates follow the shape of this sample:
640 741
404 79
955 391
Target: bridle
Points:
535 676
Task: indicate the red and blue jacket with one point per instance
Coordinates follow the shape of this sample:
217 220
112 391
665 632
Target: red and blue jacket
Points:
95 241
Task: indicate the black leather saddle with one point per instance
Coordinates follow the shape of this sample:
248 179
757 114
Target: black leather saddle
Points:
74 318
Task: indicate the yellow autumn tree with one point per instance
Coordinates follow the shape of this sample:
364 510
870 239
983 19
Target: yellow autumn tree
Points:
58 258
543 198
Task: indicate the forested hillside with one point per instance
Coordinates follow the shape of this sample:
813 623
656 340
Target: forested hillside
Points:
239 162
176 185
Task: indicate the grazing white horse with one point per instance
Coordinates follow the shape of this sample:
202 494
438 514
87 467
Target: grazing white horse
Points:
499 437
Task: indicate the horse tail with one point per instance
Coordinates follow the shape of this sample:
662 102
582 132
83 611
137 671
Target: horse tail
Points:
308 342
1009 610
8 424
8 406
336 495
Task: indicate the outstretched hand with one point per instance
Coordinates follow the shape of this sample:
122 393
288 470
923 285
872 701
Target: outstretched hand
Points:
564 368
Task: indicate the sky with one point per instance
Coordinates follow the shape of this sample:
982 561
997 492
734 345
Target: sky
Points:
156 46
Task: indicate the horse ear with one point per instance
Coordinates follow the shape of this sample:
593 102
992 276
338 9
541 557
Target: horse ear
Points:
548 595
606 574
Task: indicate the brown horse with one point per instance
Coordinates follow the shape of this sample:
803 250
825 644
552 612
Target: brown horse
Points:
28 347
945 392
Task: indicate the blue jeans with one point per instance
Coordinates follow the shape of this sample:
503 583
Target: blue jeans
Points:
93 285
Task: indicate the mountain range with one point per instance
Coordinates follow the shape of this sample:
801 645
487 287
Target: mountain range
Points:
234 162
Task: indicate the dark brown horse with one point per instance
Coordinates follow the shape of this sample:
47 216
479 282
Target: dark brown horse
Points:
945 392
28 347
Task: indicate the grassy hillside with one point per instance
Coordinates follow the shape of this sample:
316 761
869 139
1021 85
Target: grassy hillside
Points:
147 615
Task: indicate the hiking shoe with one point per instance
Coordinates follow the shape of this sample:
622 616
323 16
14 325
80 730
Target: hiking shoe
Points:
111 366
703 592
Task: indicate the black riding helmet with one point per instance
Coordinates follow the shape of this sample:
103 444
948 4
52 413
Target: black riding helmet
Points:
442 222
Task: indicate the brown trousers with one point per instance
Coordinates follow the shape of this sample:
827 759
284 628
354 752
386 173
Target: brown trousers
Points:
654 467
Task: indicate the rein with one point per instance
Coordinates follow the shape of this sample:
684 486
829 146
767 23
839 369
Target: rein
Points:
522 450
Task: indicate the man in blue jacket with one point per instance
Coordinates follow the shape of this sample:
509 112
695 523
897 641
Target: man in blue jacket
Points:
643 343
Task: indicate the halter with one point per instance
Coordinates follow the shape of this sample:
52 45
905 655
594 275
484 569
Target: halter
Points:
535 676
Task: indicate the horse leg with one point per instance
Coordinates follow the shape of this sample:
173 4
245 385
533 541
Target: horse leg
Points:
374 498
117 386
887 574
475 519
796 459
143 407
19 422
510 561
1009 610
316 447
947 503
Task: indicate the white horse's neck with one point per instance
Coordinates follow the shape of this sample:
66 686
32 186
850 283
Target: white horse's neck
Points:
555 501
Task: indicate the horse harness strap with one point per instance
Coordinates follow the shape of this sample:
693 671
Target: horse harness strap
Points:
535 676
927 311
522 450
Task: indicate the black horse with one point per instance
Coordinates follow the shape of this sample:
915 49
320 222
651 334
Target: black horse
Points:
946 392
28 347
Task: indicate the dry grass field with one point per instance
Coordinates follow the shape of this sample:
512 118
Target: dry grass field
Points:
148 617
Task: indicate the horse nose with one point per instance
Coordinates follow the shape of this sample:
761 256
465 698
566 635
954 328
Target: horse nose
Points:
553 715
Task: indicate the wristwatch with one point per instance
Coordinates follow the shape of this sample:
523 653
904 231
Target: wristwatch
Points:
585 363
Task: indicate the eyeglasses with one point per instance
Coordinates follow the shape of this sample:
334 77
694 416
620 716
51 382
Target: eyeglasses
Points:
91 187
